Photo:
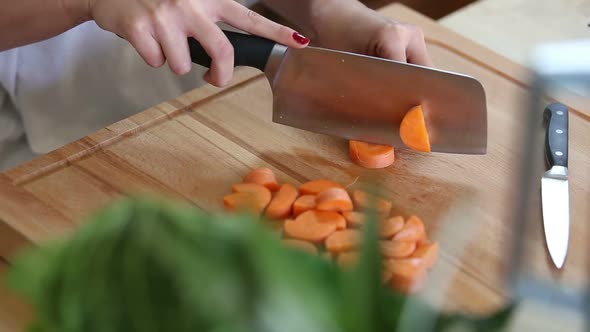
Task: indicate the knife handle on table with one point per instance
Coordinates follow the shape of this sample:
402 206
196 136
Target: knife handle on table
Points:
556 146
249 50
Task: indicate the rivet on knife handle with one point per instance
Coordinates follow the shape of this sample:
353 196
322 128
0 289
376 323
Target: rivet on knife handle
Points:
556 148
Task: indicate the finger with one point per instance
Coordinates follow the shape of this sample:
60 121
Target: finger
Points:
417 52
392 51
148 48
175 46
218 48
248 20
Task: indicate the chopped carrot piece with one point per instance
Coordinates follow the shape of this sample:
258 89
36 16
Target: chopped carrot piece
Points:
281 204
410 266
363 200
391 226
303 203
308 229
262 176
334 199
344 240
247 196
348 259
328 217
428 253
354 219
317 186
371 155
298 244
413 130
413 231
397 249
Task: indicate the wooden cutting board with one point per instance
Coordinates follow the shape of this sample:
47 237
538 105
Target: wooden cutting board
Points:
195 146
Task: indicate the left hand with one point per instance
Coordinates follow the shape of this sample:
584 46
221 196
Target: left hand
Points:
351 26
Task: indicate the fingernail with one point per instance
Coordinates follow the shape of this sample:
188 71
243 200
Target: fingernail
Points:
300 38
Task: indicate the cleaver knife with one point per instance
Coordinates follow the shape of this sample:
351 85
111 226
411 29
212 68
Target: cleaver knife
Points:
358 97
554 184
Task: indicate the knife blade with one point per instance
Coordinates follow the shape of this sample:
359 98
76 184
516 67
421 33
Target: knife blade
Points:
364 98
555 184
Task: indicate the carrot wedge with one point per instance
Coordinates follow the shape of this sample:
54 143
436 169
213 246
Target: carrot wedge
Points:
348 259
413 231
354 219
391 226
247 196
334 199
371 155
303 245
413 130
317 186
262 176
307 228
428 253
325 217
397 249
363 201
281 204
303 203
344 240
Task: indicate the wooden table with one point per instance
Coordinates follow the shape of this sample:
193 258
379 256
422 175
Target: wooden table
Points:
194 147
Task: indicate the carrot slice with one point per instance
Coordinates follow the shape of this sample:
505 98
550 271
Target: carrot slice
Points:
281 204
308 229
348 259
264 177
397 249
298 244
328 217
428 253
391 226
303 203
363 200
413 231
344 240
317 186
354 219
334 199
371 155
248 196
413 130
410 266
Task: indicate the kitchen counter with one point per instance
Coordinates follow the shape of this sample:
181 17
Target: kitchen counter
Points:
193 148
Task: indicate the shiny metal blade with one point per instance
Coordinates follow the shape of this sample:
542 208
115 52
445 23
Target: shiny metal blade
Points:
556 213
365 98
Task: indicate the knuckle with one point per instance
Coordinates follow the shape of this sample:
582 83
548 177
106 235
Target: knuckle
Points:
135 27
222 49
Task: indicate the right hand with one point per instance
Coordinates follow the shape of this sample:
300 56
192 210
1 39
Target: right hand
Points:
158 30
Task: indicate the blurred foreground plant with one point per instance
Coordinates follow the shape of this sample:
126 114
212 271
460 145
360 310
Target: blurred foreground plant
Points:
148 265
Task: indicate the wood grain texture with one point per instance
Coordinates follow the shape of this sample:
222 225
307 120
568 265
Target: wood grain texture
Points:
194 147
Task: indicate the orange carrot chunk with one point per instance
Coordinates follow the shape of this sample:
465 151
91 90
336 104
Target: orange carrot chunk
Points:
317 186
344 240
428 253
303 245
303 203
413 130
262 176
397 249
334 199
410 266
371 155
348 259
363 201
354 219
391 226
413 231
247 196
308 229
328 217
281 204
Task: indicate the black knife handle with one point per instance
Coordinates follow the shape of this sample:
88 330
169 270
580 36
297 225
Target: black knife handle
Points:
249 50
556 144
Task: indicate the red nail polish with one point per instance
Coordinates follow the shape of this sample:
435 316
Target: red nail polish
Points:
300 38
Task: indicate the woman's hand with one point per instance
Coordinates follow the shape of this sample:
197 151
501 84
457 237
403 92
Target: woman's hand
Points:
158 29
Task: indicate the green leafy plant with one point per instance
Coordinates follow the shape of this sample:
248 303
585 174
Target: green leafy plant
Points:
149 265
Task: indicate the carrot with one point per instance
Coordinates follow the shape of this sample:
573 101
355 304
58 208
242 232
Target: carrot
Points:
248 196
303 203
328 217
298 244
413 130
413 231
408 284
344 240
334 199
348 259
317 186
308 229
353 218
262 176
391 226
363 200
371 155
281 204
410 266
397 249
428 253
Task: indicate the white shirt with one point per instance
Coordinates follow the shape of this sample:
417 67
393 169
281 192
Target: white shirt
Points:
61 89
